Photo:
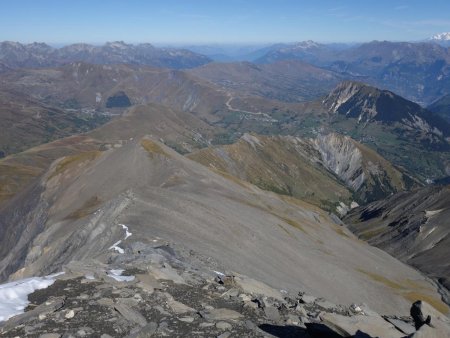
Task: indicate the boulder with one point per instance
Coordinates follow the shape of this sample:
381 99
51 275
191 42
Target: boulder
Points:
254 287
272 313
176 306
373 326
220 314
147 282
308 299
404 327
131 315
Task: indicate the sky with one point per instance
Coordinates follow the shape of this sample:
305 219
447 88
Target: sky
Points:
221 21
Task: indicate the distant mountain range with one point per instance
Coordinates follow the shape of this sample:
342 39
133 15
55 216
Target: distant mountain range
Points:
17 55
288 80
417 71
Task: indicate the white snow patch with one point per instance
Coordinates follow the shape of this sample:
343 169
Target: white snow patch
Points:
14 295
116 247
218 273
445 36
117 275
89 276
127 231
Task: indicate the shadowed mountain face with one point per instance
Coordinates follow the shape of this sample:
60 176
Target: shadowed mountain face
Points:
413 226
441 107
37 55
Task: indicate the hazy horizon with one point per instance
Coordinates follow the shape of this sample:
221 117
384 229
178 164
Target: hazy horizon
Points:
202 22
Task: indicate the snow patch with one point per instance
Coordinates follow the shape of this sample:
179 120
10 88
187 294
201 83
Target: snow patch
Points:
218 273
116 246
117 275
127 231
14 295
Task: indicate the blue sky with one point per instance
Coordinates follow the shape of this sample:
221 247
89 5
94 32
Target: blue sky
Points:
221 21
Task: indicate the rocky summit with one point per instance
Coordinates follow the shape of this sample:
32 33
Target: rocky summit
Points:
158 291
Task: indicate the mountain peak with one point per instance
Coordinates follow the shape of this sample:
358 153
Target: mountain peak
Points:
306 44
344 92
118 45
445 36
367 103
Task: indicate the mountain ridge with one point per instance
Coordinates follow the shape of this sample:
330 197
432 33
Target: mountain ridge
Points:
33 55
153 182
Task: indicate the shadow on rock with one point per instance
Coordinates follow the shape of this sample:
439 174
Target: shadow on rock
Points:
284 331
317 330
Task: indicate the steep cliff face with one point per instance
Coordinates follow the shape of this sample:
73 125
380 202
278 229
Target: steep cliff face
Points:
368 174
413 226
340 155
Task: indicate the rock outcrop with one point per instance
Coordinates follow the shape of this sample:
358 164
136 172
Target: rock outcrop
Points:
192 301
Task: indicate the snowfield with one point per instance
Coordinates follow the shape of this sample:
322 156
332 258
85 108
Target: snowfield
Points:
14 295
